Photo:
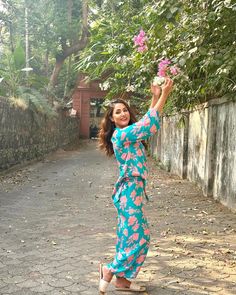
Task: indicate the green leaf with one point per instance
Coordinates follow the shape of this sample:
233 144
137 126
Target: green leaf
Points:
19 57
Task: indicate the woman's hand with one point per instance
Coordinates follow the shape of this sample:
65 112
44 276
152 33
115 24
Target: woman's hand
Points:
167 86
166 89
156 90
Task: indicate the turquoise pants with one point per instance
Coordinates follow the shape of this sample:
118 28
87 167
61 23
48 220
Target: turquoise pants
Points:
133 236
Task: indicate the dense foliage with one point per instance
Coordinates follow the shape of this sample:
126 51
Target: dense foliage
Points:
198 35
45 28
39 42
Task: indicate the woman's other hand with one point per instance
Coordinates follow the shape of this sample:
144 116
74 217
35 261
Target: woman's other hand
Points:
167 86
156 90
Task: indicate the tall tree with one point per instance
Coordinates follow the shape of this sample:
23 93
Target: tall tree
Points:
73 47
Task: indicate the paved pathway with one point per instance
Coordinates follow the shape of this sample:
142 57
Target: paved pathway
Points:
57 222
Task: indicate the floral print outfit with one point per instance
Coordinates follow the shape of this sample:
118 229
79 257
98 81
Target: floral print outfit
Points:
133 234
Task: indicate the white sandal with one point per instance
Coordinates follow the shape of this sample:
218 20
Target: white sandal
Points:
103 285
132 288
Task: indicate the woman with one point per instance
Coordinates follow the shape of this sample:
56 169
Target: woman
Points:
121 135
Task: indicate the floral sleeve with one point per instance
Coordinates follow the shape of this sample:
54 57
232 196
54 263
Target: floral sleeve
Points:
141 130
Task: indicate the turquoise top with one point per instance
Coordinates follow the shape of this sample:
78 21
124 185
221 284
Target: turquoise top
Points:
129 150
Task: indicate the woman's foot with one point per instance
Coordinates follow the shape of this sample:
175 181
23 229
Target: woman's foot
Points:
122 283
105 278
107 274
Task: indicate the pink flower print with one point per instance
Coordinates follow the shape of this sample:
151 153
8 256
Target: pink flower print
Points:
138 201
142 242
153 113
146 122
127 250
125 232
123 156
140 259
130 258
131 211
147 232
119 256
123 134
139 152
132 220
128 157
123 200
126 143
135 173
139 124
135 227
140 183
153 129
135 236
145 174
140 165
133 194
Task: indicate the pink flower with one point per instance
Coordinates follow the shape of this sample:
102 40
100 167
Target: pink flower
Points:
130 258
123 156
164 67
139 152
138 201
147 232
123 135
140 41
119 256
127 250
135 236
135 227
125 232
142 242
153 129
174 70
140 183
142 48
140 165
140 259
123 200
133 194
131 211
164 62
132 220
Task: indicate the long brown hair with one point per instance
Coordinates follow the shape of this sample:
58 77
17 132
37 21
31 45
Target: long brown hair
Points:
107 127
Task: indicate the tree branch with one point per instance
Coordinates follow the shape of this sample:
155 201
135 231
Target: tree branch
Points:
68 51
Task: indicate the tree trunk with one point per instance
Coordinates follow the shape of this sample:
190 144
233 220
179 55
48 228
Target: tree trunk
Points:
26 42
46 63
55 73
72 49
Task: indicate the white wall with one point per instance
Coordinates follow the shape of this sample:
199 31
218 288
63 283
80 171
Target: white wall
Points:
203 150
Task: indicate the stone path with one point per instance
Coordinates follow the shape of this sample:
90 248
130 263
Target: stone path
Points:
57 222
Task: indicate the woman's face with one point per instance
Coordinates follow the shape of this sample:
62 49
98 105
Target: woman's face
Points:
120 115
